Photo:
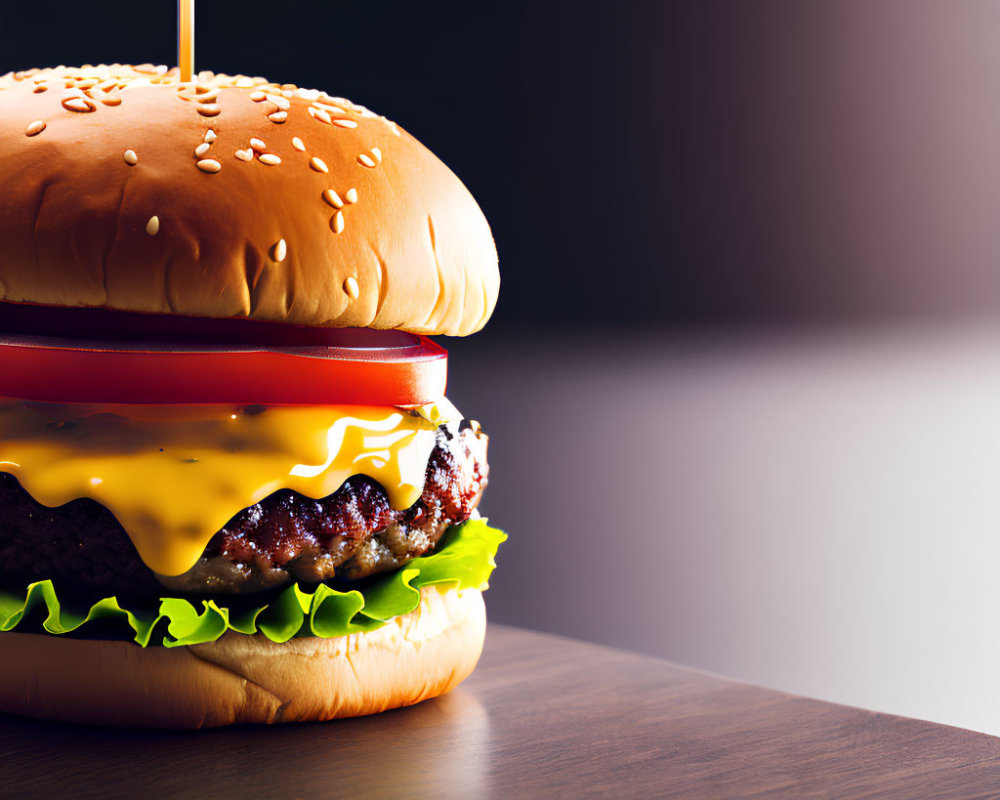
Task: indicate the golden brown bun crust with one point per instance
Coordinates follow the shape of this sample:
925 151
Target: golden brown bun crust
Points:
401 243
246 678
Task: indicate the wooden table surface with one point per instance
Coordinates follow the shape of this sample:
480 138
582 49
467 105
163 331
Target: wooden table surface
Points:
542 716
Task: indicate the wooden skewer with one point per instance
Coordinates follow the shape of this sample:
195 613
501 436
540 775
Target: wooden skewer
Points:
185 38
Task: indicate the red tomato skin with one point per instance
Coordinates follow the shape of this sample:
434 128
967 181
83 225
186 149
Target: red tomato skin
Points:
63 374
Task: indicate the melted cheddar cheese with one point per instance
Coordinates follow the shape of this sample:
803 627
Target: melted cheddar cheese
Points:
174 475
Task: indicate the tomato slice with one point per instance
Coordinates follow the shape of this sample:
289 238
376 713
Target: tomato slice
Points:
361 367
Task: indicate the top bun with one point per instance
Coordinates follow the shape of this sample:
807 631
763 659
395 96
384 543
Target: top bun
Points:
231 197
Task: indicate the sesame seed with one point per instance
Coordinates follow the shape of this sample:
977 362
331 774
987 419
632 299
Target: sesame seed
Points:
298 144
331 197
270 159
278 116
41 88
111 100
367 160
337 222
345 123
257 144
245 155
35 128
279 101
377 153
153 226
210 136
258 96
279 251
351 195
331 109
321 115
318 164
209 110
131 158
201 149
209 165
351 287
79 104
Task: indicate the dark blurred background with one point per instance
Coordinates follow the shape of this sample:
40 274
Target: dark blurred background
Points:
743 376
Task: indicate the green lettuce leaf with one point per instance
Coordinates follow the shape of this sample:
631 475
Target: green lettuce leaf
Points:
463 559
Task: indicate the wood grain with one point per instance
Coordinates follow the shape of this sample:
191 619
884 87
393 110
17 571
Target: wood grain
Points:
543 716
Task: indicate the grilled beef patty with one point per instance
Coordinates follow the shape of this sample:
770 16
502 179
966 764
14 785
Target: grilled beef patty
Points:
349 535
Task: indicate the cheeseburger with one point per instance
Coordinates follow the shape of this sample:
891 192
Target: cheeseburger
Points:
231 486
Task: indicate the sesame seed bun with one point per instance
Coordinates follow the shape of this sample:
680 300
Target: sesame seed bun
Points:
246 679
231 197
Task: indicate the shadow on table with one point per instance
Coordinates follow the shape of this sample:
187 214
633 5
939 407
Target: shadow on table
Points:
435 748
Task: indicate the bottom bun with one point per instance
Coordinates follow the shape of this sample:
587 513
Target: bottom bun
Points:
243 678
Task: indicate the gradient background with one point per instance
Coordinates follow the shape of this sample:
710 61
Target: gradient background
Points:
744 377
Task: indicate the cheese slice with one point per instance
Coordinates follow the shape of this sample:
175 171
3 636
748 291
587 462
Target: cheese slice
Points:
174 475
